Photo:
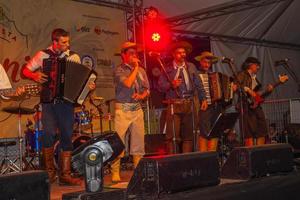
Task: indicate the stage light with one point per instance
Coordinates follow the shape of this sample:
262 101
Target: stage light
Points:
155 37
157 33
90 158
151 13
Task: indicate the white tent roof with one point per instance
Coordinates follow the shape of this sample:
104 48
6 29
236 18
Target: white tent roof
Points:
275 21
271 31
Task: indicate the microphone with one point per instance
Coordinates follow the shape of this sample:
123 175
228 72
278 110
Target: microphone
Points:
153 54
226 60
280 62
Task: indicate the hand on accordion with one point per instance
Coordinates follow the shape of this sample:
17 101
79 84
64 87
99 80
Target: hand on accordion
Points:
40 77
92 85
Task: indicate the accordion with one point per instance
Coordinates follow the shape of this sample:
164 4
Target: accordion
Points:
67 80
220 86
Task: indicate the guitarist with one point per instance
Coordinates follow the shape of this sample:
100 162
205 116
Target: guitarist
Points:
255 126
5 84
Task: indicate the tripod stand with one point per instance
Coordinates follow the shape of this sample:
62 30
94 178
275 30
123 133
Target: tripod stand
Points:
19 111
8 165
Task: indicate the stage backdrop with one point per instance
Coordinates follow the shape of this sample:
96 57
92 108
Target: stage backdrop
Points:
26 26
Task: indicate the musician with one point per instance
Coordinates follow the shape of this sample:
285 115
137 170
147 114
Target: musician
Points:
132 87
5 84
57 114
180 89
255 126
209 111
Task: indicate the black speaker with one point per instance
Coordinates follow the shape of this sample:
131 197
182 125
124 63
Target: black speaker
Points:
172 173
258 161
25 185
155 144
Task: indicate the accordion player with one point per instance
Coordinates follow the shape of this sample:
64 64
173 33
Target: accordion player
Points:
67 80
219 86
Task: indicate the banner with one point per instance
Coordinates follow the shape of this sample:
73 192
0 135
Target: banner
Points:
25 27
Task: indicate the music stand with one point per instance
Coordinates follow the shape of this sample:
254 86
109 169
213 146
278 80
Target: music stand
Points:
223 122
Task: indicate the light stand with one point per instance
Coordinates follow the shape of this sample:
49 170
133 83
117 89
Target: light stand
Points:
90 158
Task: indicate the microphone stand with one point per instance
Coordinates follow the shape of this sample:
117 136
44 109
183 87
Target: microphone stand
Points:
241 100
167 75
171 104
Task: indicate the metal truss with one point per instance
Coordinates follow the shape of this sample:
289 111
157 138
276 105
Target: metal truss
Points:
220 10
132 9
119 4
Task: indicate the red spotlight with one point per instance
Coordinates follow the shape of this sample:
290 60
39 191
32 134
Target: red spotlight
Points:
156 35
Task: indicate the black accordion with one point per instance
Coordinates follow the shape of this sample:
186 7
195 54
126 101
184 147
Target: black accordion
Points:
67 80
220 86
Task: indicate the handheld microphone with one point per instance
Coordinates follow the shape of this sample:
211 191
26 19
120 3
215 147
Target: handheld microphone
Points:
153 54
280 62
226 60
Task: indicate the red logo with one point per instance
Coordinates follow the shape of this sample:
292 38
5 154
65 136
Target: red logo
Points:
97 30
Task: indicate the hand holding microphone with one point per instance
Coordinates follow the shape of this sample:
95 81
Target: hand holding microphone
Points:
135 62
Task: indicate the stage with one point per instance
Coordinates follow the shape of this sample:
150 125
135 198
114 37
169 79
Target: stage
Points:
283 186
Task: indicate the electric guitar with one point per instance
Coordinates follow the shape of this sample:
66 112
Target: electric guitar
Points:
257 98
30 89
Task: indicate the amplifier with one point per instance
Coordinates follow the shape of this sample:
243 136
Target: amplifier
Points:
258 161
172 173
25 185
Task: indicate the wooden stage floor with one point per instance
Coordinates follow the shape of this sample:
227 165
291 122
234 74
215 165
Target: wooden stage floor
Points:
57 190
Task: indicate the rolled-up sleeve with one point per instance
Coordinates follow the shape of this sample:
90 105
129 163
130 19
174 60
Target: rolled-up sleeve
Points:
36 62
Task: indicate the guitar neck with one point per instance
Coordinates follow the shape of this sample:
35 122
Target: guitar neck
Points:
30 89
7 91
266 93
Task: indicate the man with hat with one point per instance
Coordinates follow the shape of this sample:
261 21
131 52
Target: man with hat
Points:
209 110
132 87
255 126
180 84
